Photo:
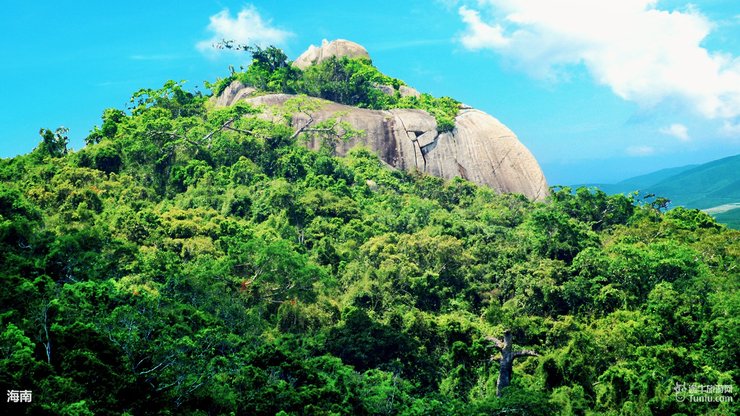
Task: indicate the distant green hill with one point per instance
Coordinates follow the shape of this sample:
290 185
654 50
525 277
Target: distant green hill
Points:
729 218
641 182
705 186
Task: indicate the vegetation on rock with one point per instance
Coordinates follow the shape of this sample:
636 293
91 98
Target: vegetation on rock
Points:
351 81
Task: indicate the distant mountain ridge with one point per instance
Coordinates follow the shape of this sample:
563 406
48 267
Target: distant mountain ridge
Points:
706 186
641 182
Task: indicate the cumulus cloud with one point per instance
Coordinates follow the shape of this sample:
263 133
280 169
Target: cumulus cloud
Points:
644 54
482 35
678 131
247 28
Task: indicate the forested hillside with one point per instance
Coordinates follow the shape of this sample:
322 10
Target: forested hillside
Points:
201 261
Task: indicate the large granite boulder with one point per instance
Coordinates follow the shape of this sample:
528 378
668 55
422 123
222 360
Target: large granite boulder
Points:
234 92
336 48
480 148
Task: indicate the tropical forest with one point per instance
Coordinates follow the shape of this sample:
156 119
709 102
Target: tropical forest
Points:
204 259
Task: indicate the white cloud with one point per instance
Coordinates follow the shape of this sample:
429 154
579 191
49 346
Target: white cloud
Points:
678 131
644 54
640 150
481 35
248 28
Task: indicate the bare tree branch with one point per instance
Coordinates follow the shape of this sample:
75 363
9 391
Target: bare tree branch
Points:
497 342
223 126
525 353
156 367
300 130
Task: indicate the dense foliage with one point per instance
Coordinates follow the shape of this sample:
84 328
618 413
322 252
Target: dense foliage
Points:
351 81
174 266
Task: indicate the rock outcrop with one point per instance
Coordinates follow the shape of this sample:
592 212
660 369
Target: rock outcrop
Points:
234 92
407 91
338 48
480 148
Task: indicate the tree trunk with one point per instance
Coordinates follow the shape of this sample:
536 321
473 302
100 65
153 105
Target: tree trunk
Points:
507 360
46 339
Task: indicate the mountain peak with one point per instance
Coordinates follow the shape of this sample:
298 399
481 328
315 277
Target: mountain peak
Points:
406 129
336 48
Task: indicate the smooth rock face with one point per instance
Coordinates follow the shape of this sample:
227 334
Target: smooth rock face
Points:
480 149
234 92
407 91
483 150
403 90
337 48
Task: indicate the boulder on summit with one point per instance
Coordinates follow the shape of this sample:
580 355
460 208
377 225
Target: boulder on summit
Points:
480 148
336 48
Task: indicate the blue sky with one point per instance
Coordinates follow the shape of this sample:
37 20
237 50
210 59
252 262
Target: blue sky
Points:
599 90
